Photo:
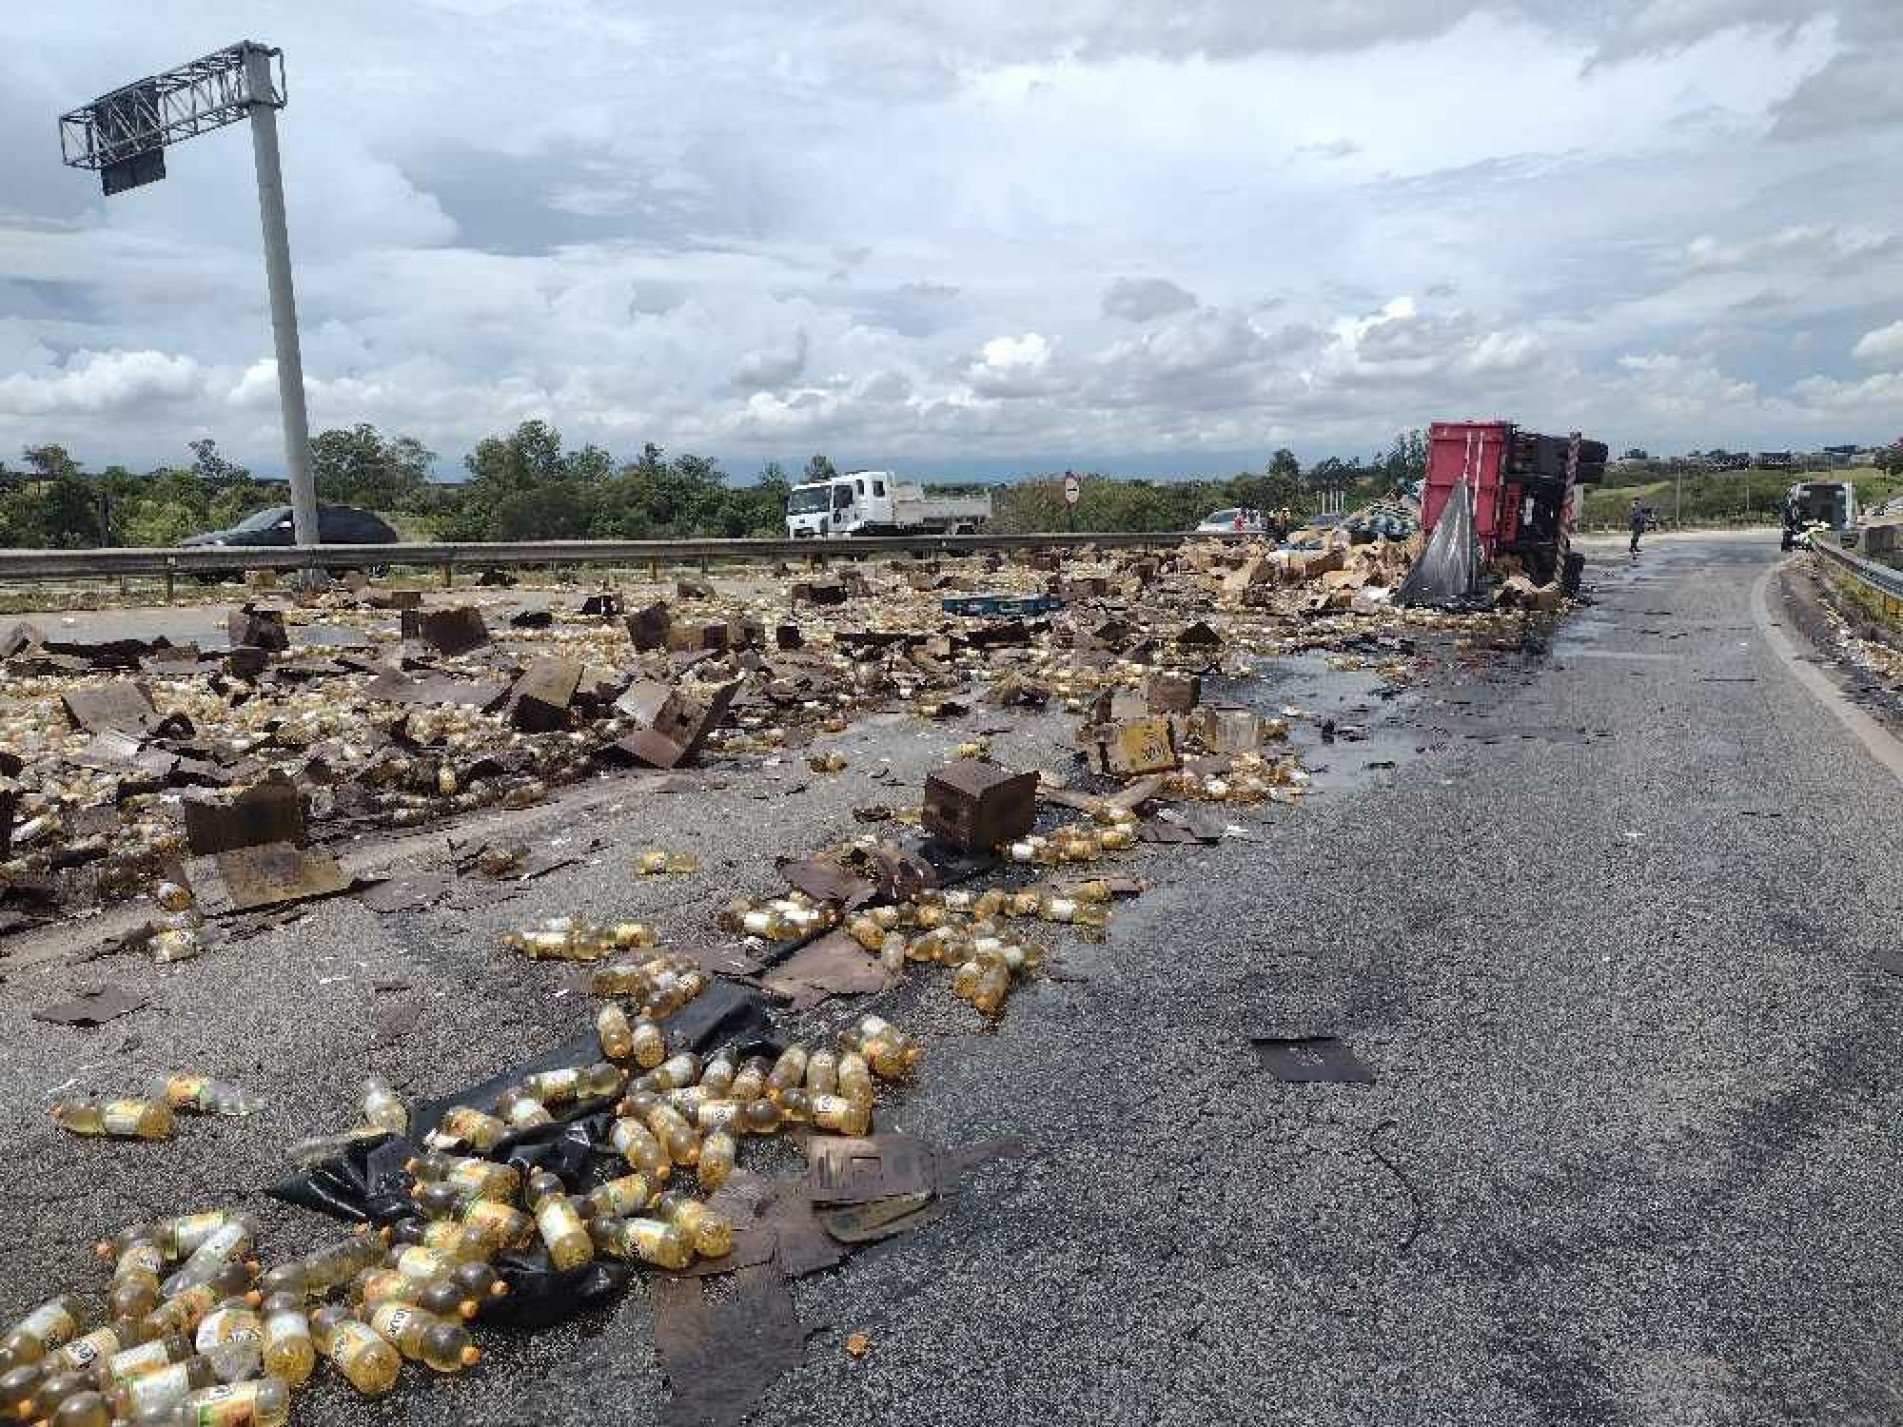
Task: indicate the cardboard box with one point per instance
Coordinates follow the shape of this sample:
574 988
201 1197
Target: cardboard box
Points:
978 806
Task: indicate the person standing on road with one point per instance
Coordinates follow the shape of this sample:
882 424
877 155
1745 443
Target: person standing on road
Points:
1636 517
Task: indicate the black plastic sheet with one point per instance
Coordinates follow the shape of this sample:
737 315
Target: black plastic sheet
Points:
369 1184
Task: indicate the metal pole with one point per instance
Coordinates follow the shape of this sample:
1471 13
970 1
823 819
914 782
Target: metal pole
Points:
1678 499
277 267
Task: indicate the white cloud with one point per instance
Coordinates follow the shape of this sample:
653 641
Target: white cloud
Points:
1885 344
767 367
1138 299
816 228
1011 367
100 383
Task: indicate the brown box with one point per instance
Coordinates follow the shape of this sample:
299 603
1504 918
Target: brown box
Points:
978 806
647 627
449 631
1169 692
262 628
542 695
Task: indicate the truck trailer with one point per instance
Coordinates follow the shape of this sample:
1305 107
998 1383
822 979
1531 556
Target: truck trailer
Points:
879 503
1526 488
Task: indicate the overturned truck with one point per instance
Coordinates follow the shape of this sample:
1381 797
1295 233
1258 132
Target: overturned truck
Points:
1517 489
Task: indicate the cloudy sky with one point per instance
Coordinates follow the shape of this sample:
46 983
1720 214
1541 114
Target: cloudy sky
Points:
978 235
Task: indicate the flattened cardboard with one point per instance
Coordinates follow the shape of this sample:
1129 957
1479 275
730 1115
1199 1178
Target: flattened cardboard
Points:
93 1006
834 964
393 687
270 875
721 1355
1311 1060
824 880
121 704
1144 745
844 1170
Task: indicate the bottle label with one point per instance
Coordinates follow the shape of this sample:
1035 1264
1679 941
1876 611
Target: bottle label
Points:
557 1219
137 1362
84 1352
188 1092
49 1324
159 1389
123 1117
232 1404
139 1258
393 1320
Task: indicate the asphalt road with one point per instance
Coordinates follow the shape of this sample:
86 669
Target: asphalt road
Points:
1603 935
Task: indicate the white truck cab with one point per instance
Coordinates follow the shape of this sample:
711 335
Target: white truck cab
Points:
878 503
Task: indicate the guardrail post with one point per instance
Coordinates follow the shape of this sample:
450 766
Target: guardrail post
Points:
171 579
703 564
449 575
654 569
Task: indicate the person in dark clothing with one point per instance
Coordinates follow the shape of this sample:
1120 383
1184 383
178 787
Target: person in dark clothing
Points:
1637 520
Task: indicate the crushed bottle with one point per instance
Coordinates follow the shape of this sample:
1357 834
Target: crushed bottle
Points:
656 863
202 1095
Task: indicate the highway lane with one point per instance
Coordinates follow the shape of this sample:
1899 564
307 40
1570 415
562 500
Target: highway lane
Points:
1603 935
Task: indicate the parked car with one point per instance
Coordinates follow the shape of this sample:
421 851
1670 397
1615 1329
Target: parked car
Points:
336 525
1233 521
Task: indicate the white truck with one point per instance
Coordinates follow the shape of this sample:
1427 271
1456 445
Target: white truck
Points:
879 503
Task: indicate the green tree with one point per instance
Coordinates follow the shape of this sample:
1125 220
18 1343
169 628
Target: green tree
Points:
1284 466
817 469
1889 459
50 462
360 467
211 467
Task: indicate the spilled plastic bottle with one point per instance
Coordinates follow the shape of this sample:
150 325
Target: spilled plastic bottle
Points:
133 1362
620 1197
383 1109
788 1071
614 1032
466 1125
442 1344
232 1240
564 1232
478 1178
636 1143
385 1285
840 1115
54 1323
154 1392
644 1240
888 1050
263 1402
83 1409
232 1341
650 1045
822 1073
356 1350
717 1154
288 1350
119 1119
709 1231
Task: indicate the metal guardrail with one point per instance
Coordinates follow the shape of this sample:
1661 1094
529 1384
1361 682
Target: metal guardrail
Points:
1881 580
25 565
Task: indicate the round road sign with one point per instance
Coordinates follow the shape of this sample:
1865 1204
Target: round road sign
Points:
1073 490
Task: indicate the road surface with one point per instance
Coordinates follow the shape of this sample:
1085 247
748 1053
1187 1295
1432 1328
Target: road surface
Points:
1604 935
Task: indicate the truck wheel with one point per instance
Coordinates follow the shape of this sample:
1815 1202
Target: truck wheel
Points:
1575 568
